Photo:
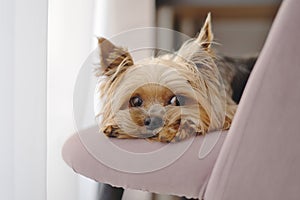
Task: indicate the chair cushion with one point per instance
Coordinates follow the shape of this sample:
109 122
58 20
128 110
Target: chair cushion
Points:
175 168
260 158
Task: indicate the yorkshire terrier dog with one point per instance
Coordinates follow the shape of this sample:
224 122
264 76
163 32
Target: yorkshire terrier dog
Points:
169 97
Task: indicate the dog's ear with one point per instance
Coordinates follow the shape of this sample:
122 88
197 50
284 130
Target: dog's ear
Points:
206 36
199 46
113 59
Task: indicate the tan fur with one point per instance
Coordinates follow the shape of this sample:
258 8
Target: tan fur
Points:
191 72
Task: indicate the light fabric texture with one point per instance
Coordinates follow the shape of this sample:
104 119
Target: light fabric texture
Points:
186 176
260 158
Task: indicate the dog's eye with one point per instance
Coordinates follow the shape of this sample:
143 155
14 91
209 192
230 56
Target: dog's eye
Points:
136 101
176 100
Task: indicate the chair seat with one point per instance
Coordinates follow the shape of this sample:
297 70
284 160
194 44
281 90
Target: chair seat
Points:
180 169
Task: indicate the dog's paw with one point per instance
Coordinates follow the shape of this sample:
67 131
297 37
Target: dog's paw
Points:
111 131
186 130
115 131
167 134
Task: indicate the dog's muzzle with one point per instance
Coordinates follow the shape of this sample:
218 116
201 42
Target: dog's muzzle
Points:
155 118
153 123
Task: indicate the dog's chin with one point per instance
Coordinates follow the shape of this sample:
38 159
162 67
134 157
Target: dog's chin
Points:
155 131
144 134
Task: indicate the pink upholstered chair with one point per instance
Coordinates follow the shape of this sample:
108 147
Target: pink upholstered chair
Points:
260 156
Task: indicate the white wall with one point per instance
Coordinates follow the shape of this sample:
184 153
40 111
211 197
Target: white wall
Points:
69 43
73 27
115 16
6 98
23 99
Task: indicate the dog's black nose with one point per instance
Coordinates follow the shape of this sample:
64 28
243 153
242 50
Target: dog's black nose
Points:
152 123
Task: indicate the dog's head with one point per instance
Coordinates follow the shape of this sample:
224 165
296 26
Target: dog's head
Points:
167 98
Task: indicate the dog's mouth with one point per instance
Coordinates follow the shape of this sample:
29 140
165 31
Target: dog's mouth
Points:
151 133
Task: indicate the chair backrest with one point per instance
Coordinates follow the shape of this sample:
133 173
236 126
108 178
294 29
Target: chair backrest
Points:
260 158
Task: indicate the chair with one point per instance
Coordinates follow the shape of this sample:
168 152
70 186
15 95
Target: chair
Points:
260 156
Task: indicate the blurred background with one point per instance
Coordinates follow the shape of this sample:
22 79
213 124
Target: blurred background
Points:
240 27
44 44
